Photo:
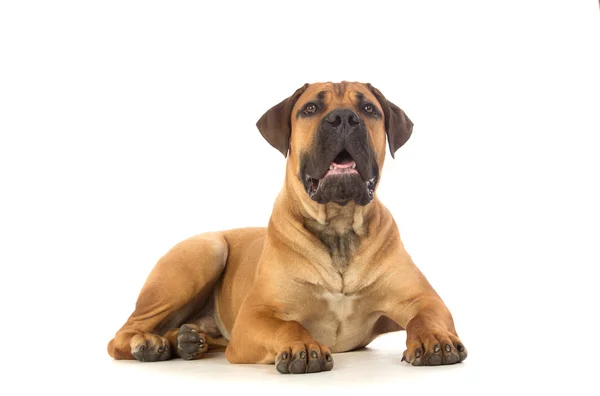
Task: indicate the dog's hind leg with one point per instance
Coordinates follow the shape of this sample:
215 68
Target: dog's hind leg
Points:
178 287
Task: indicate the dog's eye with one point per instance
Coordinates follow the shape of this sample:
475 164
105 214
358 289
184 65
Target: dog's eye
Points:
368 108
310 108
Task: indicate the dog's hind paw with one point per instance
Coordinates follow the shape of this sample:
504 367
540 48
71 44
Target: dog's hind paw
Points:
147 347
191 342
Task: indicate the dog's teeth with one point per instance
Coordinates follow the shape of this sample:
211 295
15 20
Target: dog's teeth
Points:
331 167
354 165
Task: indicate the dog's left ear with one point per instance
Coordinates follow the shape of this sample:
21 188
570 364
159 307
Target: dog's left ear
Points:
276 124
397 124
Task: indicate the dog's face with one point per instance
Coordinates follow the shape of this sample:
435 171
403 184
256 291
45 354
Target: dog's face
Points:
335 134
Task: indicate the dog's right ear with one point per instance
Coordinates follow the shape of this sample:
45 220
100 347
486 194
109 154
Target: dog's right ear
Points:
276 124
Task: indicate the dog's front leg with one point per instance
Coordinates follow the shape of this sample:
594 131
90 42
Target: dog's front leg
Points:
260 336
431 338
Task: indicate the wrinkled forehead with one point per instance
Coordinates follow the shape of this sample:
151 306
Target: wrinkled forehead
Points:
336 93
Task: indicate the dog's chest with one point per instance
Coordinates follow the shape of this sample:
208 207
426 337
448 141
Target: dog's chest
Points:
339 304
339 321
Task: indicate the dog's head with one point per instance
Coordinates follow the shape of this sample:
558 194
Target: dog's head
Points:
335 135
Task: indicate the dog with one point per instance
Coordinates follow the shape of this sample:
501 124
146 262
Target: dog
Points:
329 274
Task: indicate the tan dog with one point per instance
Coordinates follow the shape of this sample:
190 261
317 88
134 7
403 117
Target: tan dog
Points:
328 274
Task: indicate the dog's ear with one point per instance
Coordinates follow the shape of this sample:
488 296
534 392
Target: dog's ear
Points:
397 124
276 124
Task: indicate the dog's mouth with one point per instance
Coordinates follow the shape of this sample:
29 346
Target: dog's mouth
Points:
342 173
342 164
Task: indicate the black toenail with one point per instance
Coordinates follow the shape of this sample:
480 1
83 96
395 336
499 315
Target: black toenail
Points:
303 355
314 354
328 357
460 347
448 348
284 356
418 353
403 359
436 348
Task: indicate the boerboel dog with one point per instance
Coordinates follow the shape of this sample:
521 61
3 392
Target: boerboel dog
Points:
328 274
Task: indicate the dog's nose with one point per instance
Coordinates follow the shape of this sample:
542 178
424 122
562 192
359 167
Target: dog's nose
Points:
346 117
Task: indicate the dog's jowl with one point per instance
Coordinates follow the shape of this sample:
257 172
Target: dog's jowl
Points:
328 274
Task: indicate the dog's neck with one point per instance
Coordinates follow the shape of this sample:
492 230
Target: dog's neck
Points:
330 217
333 219
339 228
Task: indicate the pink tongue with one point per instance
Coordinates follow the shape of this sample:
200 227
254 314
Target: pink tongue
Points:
346 165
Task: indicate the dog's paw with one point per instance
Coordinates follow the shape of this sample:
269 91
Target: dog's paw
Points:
191 343
434 348
300 358
147 347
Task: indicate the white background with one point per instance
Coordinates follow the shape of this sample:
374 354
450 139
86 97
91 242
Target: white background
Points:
129 126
